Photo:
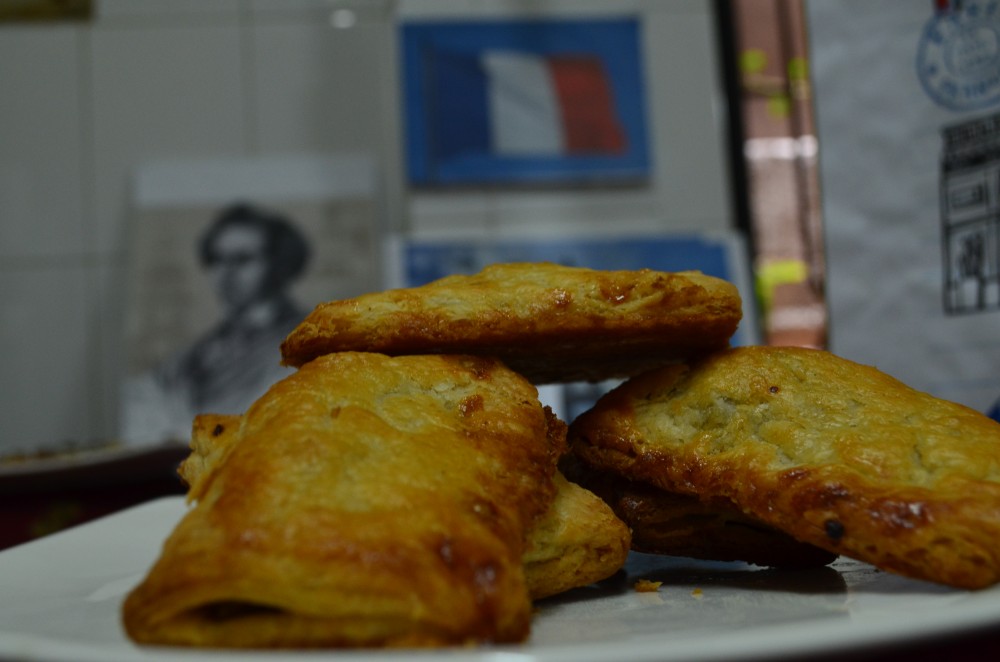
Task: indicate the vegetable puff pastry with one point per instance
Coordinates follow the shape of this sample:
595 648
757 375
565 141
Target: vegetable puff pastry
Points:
363 501
674 524
549 322
833 453
578 541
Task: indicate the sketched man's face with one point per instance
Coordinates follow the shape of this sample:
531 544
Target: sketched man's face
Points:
239 266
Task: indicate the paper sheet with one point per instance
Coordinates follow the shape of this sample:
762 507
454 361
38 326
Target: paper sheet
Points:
907 96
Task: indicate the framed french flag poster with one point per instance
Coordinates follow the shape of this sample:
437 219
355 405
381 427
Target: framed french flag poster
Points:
534 101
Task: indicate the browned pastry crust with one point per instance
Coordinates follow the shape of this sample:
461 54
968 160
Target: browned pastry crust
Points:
684 525
549 322
836 454
578 541
212 437
363 501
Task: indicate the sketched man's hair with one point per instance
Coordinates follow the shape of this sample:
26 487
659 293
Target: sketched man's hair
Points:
287 249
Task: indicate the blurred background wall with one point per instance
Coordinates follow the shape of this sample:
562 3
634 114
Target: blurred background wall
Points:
84 103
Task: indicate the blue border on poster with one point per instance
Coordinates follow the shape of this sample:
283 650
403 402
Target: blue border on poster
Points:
614 41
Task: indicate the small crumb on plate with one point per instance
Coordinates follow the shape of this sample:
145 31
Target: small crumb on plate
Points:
647 586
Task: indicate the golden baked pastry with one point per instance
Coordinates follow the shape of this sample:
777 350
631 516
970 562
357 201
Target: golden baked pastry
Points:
578 541
675 524
836 454
363 501
212 437
549 322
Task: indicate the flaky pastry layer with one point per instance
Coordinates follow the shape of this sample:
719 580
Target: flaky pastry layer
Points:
577 541
550 323
836 454
364 501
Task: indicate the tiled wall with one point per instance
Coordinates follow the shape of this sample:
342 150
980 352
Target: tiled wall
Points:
82 105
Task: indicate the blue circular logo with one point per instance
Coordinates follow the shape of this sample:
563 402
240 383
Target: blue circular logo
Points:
958 60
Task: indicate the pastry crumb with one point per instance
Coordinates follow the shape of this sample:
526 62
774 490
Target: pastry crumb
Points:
647 586
697 594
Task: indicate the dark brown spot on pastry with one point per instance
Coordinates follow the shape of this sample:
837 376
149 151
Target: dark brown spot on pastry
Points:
834 529
229 610
471 405
831 493
218 429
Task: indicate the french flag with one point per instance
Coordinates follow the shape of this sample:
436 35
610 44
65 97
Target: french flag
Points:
513 103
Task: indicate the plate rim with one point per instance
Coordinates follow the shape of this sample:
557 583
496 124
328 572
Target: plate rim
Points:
971 611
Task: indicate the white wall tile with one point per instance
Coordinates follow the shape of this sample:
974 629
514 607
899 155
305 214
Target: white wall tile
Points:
686 116
327 12
262 8
445 8
109 326
317 87
154 9
41 187
170 91
173 91
321 88
49 358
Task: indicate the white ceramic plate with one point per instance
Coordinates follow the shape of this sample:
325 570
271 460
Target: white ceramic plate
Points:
60 599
